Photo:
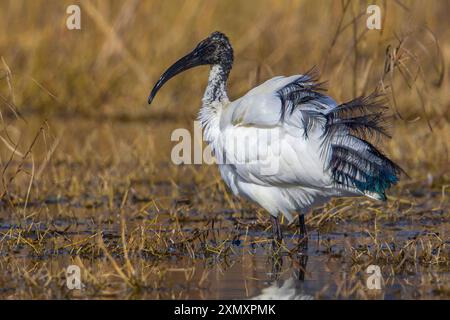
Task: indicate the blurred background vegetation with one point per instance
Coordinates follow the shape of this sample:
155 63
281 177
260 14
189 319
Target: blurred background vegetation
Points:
109 65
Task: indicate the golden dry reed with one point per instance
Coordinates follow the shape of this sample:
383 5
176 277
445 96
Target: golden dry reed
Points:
87 177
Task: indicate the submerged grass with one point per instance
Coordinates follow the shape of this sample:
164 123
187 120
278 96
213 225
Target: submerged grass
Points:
87 177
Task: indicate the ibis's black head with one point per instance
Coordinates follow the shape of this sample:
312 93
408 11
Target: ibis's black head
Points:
214 50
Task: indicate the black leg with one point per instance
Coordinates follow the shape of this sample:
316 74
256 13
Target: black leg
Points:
303 238
276 229
301 225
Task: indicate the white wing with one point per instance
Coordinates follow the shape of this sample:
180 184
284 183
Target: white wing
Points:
286 132
271 142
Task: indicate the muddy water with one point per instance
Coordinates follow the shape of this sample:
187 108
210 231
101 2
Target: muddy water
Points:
233 259
316 272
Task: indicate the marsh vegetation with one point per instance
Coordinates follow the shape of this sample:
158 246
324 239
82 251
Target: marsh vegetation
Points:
87 177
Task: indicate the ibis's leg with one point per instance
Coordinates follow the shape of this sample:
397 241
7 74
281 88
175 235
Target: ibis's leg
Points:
303 238
301 226
276 229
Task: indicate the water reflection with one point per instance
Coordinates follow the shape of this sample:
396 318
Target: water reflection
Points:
291 288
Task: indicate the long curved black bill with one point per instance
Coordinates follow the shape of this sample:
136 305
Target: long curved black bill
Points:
188 61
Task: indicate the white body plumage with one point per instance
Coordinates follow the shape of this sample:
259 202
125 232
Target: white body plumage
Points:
263 158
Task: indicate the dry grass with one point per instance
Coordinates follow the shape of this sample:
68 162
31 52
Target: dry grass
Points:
86 172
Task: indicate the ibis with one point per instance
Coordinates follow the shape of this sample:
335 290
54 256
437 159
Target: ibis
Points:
285 144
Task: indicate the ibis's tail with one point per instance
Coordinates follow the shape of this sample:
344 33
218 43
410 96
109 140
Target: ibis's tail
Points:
355 163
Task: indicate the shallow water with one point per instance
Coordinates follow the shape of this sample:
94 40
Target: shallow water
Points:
232 259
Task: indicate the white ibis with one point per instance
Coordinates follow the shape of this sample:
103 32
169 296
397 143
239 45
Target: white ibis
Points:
316 149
